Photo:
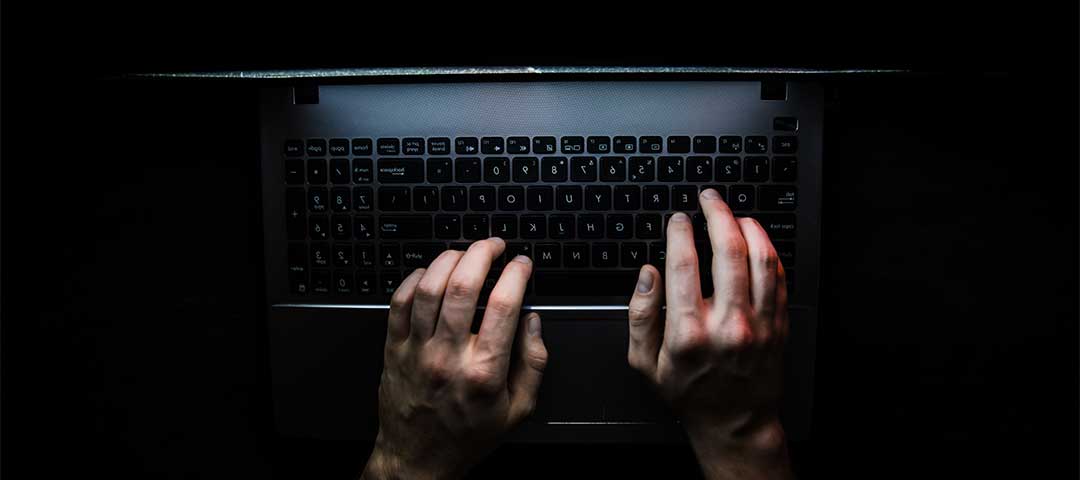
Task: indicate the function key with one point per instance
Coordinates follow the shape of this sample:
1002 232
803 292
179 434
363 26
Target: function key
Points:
704 144
339 147
492 145
785 144
517 145
466 145
678 144
389 146
650 144
543 145
785 124
757 144
438 146
412 146
572 144
361 146
625 145
600 145
730 144
316 147
294 148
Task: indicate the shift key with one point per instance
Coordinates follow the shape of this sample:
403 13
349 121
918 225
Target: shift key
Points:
401 170
405 226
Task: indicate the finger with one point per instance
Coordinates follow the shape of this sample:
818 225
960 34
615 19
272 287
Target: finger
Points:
644 318
729 271
762 261
429 294
683 286
528 371
782 324
502 315
463 289
397 324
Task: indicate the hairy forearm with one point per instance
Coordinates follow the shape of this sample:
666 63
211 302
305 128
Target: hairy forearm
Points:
747 452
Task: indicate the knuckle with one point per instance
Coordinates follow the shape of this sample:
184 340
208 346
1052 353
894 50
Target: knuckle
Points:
427 290
400 299
766 256
738 336
537 358
501 304
689 344
460 287
732 247
436 369
481 379
640 314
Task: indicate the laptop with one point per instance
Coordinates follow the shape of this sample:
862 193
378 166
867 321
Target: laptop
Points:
368 177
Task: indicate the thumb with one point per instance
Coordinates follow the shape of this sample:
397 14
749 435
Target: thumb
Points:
644 316
528 368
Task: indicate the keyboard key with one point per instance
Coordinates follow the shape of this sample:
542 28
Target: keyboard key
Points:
777 225
401 170
590 226
776 197
466 145
425 199
294 148
320 254
554 169
699 169
362 199
671 169
589 283
447 227
543 145
482 199
583 169
786 252
365 255
728 169
705 144
526 169
625 145
296 213
388 146
316 171
316 147
439 170
741 198
319 227
730 144
627 197
420 255
339 170
343 255
394 199
612 169
642 169
620 226
561 227
786 124
454 199
492 146
540 199
362 170
598 197
650 144
649 225
700 228
361 146
438 146
363 227
298 283
405 226
475 227
467 169
365 283
511 199
517 145
547 255
341 227
294 171
388 282
514 249
389 255
722 190
568 198
320 282
340 200
678 144
504 226
634 255
757 144
412 146
496 169
684 198
572 145
785 144
343 282
785 169
533 226
576 255
655 197
598 145
339 147
756 169
317 200
605 255
658 255
298 257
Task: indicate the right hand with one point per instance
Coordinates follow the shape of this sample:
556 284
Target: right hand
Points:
717 361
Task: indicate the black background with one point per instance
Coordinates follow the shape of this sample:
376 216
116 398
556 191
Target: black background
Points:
131 328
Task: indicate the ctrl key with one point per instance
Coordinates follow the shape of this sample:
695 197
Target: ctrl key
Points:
298 283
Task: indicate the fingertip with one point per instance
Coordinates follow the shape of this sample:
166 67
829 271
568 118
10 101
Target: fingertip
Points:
532 322
646 282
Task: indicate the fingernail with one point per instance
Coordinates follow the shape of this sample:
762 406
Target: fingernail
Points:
497 240
680 217
534 324
644 281
523 259
710 194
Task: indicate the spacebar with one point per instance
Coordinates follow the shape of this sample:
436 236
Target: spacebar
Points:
614 283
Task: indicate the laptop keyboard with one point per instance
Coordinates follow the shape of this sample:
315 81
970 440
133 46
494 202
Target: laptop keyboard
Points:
589 210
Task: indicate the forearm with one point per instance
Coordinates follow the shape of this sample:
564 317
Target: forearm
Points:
384 465
745 452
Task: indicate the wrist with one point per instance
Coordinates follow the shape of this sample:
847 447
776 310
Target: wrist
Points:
387 464
747 447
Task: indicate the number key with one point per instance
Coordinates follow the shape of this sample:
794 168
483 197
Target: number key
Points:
554 169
